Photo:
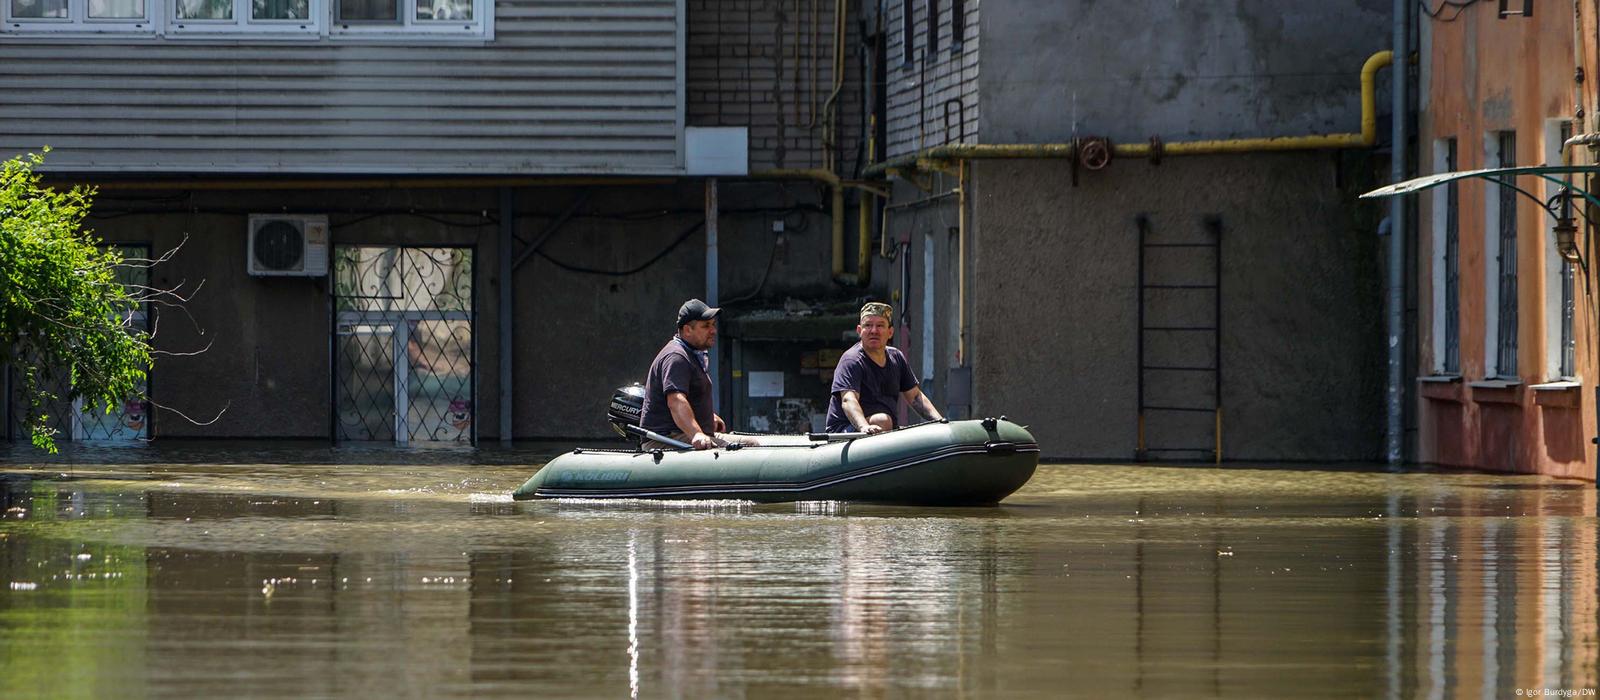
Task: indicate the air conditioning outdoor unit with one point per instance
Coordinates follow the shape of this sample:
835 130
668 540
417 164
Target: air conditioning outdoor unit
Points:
287 245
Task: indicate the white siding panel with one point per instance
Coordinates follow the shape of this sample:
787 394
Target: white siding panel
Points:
564 87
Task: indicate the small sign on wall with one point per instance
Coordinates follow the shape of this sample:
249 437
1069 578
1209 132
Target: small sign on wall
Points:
766 384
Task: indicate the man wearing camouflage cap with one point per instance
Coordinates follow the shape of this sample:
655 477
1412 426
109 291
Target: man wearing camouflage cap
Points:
872 377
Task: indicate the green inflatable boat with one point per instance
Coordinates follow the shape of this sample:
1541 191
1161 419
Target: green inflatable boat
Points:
965 462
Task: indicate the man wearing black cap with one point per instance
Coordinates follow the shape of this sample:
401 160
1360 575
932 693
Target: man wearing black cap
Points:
677 391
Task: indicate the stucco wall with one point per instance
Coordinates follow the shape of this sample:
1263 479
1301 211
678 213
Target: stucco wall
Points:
1054 297
1181 71
1470 93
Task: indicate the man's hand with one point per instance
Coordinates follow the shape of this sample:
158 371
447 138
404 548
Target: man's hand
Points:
717 424
702 441
872 428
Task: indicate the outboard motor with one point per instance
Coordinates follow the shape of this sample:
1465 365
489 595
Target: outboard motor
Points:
627 404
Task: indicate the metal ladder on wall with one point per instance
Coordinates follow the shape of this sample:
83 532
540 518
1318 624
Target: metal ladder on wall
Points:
1169 329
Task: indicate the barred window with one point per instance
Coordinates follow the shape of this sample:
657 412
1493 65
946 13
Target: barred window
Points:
1452 265
1505 364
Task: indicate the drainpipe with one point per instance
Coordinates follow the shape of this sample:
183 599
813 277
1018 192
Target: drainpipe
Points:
1397 226
961 265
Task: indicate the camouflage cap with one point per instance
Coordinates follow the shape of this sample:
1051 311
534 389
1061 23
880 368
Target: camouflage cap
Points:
878 308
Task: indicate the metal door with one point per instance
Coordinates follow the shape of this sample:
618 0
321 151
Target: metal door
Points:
403 344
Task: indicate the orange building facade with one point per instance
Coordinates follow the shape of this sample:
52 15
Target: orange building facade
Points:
1507 315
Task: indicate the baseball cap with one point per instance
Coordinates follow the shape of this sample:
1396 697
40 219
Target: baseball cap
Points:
696 310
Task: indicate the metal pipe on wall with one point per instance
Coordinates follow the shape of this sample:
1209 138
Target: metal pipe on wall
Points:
961 264
1396 297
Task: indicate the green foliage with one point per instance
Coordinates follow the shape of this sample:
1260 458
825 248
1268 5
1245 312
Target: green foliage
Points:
63 314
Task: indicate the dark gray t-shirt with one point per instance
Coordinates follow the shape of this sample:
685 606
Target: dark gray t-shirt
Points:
878 388
675 369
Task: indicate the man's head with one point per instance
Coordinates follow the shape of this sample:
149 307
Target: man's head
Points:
876 326
697 324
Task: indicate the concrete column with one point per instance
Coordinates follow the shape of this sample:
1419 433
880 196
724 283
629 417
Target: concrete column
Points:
711 282
503 255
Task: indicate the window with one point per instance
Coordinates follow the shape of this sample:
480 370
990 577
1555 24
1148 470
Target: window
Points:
232 16
1447 263
907 32
87 16
439 16
1500 240
958 24
307 19
1558 279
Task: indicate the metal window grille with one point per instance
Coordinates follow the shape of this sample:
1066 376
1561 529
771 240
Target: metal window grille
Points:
73 420
1568 342
404 347
1506 357
1452 267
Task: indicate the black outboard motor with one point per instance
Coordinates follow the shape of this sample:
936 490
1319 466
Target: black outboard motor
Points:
627 403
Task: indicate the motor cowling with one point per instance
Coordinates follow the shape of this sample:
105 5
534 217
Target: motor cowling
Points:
625 408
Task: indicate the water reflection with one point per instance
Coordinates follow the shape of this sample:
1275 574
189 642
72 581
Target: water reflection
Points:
305 579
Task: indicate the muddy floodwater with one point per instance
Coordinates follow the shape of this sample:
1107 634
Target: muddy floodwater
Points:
220 571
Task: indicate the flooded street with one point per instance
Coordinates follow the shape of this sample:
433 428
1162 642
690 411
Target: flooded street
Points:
313 572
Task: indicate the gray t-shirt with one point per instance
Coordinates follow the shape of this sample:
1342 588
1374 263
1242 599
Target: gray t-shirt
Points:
878 388
676 370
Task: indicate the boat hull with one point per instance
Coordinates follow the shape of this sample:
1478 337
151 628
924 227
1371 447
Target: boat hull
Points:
952 463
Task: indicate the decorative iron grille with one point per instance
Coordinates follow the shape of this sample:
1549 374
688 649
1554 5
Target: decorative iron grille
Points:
1506 357
404 352
129 421
1452 267
1568 343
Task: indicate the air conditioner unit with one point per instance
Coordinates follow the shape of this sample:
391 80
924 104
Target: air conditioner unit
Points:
285 245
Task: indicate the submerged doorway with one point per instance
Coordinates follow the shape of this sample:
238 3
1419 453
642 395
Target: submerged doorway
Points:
403 347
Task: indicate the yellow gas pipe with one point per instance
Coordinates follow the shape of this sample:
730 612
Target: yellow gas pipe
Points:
1369 135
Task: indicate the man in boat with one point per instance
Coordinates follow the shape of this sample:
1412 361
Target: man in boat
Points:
677 390
872 377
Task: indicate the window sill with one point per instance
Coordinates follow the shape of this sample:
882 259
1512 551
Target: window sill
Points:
1440 387
1563 394
1497 391
1496 384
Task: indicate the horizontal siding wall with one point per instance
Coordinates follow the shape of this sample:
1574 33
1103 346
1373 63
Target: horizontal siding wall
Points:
933 97
570 86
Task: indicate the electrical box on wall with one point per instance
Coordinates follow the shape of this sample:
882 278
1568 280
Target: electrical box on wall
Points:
287 245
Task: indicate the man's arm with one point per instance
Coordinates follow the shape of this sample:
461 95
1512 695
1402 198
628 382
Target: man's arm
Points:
850 401
683 417
919 401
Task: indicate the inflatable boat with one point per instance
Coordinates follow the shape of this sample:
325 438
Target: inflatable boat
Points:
964 462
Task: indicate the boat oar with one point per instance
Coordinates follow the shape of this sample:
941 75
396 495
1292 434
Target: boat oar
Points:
833 437
648 435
